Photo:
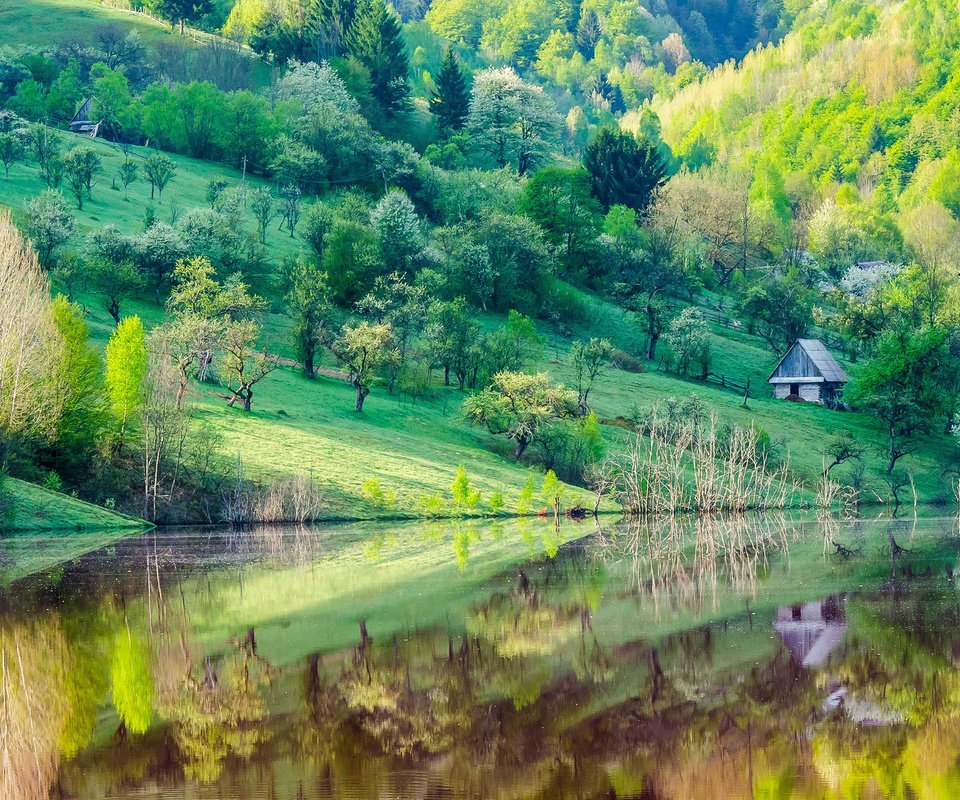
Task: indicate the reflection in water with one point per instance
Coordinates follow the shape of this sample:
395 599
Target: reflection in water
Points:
672 659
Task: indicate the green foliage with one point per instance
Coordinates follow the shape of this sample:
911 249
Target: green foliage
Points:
906 384
511 121
431 505
81 165
690 342
126 372
496 503
364 350
560 201
374 491
309 304
460 489
50 225
80 379
159 170
399 230
589 360
519 407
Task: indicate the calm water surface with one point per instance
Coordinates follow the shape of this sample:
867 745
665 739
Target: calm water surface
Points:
702 659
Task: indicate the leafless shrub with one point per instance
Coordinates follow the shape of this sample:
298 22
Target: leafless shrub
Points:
295 499
703 468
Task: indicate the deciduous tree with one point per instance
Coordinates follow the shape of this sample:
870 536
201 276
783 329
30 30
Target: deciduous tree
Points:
364 349
125 374
159 169
520 406
49 225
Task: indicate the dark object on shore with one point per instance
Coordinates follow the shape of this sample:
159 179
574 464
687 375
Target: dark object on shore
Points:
577 512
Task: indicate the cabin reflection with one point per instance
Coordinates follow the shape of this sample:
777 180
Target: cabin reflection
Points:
811 631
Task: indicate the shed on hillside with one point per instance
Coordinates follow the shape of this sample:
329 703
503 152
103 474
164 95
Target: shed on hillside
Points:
81 122
808 372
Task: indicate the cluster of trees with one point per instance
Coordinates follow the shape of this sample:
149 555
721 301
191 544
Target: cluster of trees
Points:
115 426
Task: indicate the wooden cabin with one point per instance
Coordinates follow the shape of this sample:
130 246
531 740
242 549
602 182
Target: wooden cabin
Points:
81 122
810 374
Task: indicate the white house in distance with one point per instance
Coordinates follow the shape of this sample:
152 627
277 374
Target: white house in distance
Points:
808 373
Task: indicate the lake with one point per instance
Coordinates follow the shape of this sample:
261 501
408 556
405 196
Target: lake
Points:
762 657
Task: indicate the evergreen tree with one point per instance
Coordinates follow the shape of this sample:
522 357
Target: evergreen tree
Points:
624 171
588 33
451 102
375 39
329 21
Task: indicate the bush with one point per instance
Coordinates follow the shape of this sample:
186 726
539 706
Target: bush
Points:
564 305
52 482
628 363
525 501
431 505
374 491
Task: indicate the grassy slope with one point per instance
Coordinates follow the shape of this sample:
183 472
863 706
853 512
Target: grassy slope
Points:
37 509
43 23
414 449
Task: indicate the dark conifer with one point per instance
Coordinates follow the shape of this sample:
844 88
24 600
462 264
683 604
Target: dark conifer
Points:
451 101
624 170
375 39
588 33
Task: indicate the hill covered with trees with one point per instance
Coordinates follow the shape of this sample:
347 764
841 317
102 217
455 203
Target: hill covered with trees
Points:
352 259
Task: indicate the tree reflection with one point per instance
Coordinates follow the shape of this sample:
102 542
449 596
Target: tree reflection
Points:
34 706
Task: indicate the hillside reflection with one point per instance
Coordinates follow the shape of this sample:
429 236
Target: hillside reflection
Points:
676 659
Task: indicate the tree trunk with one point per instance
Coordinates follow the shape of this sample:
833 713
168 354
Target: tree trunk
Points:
652 348
247 399
892 451
446 374
181 391
651 332
521 448
308 368
362 393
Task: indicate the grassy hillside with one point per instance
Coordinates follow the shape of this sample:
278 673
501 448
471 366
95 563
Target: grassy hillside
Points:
37 509
45 23
414 448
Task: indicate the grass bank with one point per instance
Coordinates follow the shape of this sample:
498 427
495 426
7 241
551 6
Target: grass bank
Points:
38 509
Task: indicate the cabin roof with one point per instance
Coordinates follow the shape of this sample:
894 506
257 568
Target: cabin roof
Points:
83 113
820 357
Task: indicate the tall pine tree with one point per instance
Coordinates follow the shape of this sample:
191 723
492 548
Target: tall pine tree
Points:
375 39
589 32
451 101
328 23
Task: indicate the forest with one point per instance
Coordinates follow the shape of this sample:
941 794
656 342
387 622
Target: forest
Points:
289 260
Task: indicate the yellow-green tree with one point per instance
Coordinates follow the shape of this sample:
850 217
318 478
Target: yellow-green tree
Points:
126 371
